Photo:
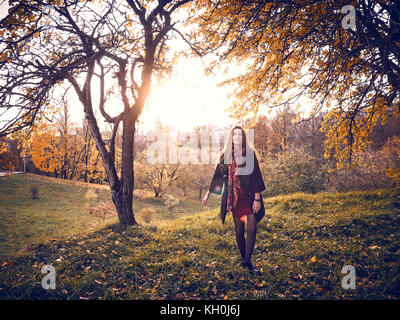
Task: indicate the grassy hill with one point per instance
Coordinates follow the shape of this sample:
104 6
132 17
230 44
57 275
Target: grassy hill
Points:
302 245
62 209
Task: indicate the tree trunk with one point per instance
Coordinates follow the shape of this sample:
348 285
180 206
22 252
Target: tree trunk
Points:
121 189
122 194
125 198
123 204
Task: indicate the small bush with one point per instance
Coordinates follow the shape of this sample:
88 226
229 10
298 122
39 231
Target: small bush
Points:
293 171
372 170
103 210
147 214
34 191
171 203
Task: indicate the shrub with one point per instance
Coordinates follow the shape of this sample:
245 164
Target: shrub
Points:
103 210
389 159
372 170
292 171
171 203
146 214
358 178
34 191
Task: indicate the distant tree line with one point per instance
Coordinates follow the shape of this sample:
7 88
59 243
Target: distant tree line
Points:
292 157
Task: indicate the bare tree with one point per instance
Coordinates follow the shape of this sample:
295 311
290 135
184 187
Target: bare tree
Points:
75 42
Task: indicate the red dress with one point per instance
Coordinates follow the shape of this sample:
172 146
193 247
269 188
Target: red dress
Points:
242 207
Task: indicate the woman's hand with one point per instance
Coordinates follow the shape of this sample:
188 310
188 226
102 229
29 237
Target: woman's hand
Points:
256 206
204 201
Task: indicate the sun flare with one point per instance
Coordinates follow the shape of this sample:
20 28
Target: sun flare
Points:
187 99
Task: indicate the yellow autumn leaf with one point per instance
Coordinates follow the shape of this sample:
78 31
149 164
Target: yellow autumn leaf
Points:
154 290
313 259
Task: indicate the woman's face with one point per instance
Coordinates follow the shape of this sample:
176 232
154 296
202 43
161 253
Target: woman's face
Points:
237 137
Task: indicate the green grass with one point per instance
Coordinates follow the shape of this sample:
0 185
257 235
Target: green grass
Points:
302 245
62 209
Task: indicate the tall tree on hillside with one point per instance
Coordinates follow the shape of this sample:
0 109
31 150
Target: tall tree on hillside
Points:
45 150
88 45
262 134
282 127
346 58
307 134
201 177
69 143
185 178
10 155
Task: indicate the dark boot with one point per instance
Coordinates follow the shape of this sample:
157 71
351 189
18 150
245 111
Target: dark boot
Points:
252 269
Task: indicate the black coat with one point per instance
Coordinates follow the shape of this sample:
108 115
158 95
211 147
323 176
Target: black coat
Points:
250 184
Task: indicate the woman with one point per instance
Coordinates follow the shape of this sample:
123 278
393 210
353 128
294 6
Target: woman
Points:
241 190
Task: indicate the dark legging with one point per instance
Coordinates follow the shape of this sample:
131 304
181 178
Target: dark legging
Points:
246 246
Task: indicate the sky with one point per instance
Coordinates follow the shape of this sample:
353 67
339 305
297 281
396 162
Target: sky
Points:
188 99
3 8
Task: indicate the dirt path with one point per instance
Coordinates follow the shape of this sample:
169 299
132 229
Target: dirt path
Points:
4 173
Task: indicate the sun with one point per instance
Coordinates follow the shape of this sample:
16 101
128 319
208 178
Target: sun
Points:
187 99
177 105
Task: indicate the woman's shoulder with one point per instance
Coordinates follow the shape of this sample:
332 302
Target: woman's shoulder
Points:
255 153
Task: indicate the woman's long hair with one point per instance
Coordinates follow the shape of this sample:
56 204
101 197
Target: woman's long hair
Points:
228 149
